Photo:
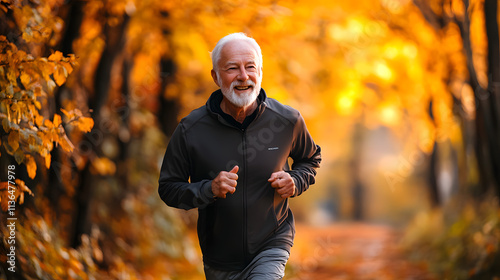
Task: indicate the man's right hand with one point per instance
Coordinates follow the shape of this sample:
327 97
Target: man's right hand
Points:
225 182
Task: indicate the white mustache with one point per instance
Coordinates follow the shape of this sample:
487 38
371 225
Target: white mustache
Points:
238 84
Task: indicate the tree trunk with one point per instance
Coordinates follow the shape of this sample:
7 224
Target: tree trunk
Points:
115 42
434 196
487 122
73 20
485 145
491 21
169 109
358 190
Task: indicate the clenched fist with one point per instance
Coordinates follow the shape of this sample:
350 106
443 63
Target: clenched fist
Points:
225 182
283 183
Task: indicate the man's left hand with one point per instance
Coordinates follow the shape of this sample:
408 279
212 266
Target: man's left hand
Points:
283 183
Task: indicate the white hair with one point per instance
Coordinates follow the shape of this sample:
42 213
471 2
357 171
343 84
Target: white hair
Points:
216 52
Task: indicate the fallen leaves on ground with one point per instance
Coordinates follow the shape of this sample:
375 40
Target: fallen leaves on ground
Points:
351 251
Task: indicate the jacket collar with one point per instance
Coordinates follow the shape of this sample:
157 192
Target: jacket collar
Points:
216 98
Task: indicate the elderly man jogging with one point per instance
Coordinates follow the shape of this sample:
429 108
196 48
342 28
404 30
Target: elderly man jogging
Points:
229 159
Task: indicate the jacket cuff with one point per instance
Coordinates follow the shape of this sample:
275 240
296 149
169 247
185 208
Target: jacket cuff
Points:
296 186
206 190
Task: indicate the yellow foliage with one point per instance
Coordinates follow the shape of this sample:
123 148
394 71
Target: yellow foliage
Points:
85 124
57 120
56 56
21 186
76 118
66 144
48 158
12 191
30 166
21 109
60 75
25 79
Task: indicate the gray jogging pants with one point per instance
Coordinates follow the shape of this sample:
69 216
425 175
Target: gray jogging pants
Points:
267 265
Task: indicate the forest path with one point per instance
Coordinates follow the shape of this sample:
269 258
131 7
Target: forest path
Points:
351 251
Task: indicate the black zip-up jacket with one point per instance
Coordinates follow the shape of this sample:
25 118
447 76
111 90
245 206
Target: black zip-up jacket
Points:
233 230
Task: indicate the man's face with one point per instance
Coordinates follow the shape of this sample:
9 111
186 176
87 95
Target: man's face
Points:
239 76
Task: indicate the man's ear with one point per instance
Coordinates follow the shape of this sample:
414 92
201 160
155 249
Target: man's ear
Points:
214 77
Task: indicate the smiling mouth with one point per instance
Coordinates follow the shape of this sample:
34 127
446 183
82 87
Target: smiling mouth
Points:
242 87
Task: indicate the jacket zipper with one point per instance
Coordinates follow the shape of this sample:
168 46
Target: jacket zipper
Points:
245 255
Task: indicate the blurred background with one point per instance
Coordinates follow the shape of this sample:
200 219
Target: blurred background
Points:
403 97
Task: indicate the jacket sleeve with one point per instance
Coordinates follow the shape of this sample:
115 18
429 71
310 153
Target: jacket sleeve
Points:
306 157
174 186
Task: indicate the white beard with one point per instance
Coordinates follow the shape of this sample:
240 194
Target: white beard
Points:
242 100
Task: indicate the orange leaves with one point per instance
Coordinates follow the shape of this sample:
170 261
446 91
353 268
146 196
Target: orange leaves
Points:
29 132
42 250
61 70
22 188
76 118
38 23
57 56
60 75
12 191
48 158
25 79
57 120
39 138
66 144
30 166
85 124
38 76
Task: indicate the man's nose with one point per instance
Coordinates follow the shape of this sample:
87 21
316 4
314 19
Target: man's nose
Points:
243 75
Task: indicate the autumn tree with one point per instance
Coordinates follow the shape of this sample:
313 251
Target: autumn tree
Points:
473 19
49 100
